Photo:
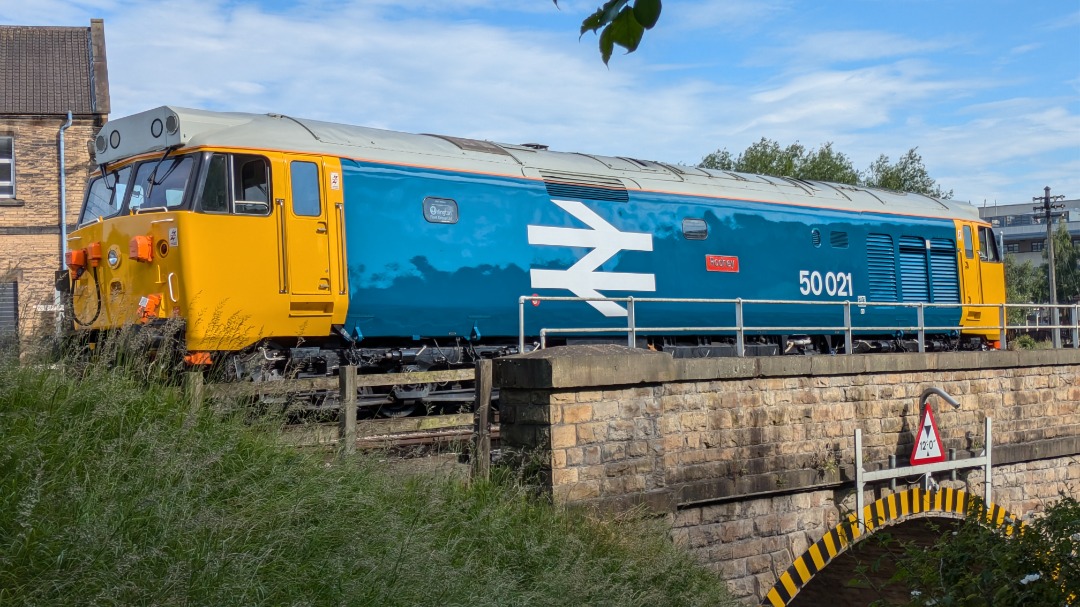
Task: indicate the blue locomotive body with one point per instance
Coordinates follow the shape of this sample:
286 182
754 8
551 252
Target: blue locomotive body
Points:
438 253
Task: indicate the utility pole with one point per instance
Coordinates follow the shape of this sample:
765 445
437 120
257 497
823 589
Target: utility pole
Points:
1047 207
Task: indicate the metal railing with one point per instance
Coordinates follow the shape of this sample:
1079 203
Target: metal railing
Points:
740 329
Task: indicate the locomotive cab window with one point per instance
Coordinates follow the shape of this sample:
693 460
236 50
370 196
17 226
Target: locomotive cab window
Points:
105 196
969 244
160 184
305 189
988 245
235 183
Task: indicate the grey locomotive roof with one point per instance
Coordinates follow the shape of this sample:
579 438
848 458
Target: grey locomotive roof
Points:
193 128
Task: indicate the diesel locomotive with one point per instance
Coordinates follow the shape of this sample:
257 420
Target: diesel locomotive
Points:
286 247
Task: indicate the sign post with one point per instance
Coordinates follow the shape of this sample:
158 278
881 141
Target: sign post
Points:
927 456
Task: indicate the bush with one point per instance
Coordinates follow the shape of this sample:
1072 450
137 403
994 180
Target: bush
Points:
981 564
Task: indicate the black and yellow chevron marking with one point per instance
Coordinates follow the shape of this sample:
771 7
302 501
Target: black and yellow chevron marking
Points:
889 509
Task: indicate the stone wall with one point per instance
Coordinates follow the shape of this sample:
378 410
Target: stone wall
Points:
30 223
753 459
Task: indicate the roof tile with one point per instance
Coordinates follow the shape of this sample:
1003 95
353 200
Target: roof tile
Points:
46 70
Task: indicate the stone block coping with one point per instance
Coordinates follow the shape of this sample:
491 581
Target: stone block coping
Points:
612 365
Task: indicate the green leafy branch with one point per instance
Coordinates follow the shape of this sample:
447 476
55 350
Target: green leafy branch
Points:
621 23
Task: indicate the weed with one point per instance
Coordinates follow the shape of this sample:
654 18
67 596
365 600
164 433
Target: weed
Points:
113 492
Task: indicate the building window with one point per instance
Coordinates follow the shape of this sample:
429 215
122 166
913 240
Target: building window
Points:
1012 247
7 167
1037 246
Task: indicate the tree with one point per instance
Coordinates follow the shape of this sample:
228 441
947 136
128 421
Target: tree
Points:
1066 266
621 23
907 175
1024 283
824 164
766 157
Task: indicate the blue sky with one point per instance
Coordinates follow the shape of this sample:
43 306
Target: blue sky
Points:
989 91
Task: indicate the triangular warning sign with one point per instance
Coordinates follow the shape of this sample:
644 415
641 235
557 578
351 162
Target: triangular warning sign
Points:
927 449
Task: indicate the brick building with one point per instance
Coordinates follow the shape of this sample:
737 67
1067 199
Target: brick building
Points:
45 73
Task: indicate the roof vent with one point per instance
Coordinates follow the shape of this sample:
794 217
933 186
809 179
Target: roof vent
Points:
584 187
473 145
535 146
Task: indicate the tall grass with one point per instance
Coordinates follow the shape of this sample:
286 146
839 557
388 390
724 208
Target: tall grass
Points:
113 493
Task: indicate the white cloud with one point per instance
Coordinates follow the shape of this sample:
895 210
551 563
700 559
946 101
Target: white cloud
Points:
860 46
719 73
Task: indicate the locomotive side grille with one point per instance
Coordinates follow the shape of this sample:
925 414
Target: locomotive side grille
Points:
943 279
587 187
914 281
838 240
881 262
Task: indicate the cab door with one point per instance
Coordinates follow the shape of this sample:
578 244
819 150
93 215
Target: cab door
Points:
307 237
970 266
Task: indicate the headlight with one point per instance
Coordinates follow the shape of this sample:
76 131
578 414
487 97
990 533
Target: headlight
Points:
114 258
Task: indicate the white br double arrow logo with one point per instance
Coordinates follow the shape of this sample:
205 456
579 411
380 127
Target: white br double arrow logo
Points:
583 278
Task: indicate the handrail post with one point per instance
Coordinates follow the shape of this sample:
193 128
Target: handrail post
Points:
631 323
347 411
849 334
521 324
543 338
860 501
740 330
988 464
1003 322
1076 327
920 314
1055 319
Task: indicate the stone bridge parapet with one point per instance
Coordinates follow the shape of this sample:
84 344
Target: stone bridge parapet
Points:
753 458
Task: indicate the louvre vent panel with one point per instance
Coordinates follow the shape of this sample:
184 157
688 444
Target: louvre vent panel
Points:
839 240
943 275
587 187
914 280
881 265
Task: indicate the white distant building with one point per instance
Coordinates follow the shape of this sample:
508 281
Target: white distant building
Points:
1022 230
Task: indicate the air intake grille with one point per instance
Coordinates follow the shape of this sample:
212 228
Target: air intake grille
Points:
584 187
881 265
914 281
943 280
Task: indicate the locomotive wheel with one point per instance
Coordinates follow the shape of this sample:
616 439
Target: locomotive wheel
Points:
407 398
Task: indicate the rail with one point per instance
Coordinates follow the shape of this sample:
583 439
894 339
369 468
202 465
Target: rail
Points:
740 329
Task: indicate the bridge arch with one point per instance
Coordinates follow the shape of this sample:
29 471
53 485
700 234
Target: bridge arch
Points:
887 511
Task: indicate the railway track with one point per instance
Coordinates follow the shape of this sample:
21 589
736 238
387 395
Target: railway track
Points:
391 434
